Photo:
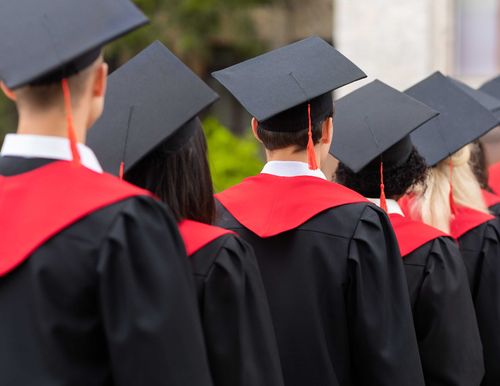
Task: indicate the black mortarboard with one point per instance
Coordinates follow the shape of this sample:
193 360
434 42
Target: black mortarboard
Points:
288 77
148 101
492 87
487 100
46 40
461 121
376 120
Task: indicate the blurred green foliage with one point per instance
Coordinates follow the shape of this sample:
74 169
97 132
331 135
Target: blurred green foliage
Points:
231 158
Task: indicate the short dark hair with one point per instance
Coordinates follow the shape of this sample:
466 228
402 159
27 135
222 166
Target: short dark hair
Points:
397 180
291 127
181 179
274 140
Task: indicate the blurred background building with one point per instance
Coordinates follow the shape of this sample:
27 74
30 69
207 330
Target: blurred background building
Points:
399 42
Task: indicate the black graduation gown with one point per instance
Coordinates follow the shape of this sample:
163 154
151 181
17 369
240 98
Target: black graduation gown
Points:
338 296
443 313
101 303
480 248
235 315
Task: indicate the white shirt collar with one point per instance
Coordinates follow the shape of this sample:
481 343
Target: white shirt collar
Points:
39 146
291 169
392 206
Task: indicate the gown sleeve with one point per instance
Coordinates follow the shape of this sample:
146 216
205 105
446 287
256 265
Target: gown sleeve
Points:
236 320
384 346
487 302
445 322
148 301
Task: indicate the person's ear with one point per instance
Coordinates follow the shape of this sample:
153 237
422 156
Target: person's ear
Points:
255 125
327 131
8 92
100 80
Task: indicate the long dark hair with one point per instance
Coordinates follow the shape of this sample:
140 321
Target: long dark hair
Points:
180 178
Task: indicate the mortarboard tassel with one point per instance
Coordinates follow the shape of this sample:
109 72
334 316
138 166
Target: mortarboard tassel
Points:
122 170
311 153
451 198
383 200
70 127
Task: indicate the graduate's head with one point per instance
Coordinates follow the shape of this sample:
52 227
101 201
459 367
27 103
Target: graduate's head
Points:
151 135
399 178
45 95
280 87
290 129
179 176
431 202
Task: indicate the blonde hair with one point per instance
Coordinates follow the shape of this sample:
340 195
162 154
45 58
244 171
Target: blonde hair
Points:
432 200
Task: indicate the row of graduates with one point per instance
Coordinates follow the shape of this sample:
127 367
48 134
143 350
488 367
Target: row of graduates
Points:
305 282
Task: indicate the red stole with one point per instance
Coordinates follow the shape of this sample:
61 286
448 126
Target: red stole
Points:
37 205
464 219
490 199
411 234
467 219
269 205
494 177
196 235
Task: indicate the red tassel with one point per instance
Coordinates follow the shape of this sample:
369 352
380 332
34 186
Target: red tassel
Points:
122 170
383 200
451 198
311 153
69 122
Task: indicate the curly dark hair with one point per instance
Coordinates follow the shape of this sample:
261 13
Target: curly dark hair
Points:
397 180
479 164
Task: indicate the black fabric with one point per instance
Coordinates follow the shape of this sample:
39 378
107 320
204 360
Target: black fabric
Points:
488 101
461 118
376 120
297 118
339 299
480 248
492 87
41 37
495 210
236 322
443 313
69 69
286 77
149 100
108 301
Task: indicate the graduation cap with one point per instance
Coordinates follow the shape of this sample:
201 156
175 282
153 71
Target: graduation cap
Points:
488 101
57 38
151 99
492 87
290 84
461 121
375 121
47 41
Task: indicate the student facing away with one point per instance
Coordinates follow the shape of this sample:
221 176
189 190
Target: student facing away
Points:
329 259
451 199
378 160
152 108
94 285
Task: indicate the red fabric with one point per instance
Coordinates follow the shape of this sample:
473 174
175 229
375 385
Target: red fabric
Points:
490 198
411 234
36 205
269 205
494 177
467 219
196 235
404 204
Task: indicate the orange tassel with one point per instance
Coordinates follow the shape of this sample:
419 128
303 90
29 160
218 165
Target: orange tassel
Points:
383 200
451 198
122 170
69 122
311 153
